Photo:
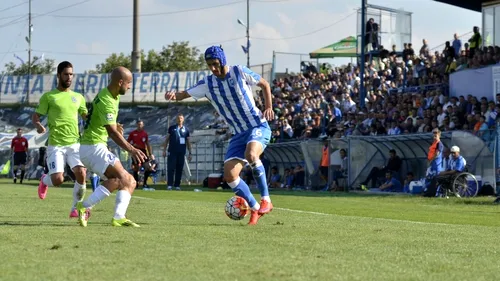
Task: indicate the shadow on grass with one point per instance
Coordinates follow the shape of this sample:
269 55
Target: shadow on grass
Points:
41 224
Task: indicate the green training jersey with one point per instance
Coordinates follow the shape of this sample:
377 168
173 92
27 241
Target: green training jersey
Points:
62 110
104 111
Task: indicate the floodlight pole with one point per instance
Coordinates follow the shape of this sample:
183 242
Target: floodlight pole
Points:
248 33
30 27
362 90
136 52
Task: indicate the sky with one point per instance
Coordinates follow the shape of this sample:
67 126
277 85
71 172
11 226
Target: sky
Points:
85 32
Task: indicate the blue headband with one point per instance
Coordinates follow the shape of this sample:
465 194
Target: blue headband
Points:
216 52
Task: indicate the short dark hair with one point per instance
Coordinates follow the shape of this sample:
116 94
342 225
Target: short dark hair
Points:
63 65
392 151
139 121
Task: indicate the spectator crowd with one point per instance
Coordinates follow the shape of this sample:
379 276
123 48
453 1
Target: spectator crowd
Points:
406 92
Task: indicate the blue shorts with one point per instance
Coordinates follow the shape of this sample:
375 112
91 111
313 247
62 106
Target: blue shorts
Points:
238 143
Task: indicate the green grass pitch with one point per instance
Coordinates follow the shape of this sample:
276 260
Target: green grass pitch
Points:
185 235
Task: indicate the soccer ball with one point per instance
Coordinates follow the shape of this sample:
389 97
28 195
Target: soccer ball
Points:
237 208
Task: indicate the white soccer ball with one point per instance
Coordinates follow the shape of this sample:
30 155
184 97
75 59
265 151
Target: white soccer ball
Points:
237 208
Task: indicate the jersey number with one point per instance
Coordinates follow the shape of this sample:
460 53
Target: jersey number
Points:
91 110
258 133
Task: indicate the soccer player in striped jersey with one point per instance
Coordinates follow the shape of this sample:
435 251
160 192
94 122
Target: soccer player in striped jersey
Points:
228 89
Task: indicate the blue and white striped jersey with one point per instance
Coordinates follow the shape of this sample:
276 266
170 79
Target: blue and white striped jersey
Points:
232 97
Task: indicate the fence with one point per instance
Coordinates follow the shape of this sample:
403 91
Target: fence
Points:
363 153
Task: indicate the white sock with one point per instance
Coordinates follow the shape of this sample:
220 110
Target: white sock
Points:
78 193
47 180
122 201
256 207
97 196
266 198
169 187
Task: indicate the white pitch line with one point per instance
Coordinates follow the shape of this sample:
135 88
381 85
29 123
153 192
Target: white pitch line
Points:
346 216
382 219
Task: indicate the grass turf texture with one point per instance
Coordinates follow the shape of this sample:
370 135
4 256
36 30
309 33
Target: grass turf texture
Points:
309 236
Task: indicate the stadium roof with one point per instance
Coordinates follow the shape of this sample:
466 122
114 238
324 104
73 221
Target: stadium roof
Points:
475 5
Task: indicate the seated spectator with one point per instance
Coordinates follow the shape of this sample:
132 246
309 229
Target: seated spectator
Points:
391 184
456 164
409 178
274 178
299 176
393 166
288 178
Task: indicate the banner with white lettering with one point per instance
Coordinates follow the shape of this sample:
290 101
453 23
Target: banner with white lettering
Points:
146 87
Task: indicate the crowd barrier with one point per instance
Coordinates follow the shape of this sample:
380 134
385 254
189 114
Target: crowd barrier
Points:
363 153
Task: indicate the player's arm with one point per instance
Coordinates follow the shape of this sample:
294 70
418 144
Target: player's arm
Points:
177 95
253 78
26 145
197 91
118 138
42 109
35 119
266 89
107 114
12 147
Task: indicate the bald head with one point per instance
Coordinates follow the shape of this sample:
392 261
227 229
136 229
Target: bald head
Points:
121 80
120 73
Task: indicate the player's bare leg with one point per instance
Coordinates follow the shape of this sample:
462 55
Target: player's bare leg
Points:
252 155
118 179
232 170
55 179
79 190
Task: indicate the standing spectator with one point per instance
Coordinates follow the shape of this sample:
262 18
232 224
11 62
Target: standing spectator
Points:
140 140
435 155
449 51
177 141
424 50
371 35
474 42
324 162
19 149
457 45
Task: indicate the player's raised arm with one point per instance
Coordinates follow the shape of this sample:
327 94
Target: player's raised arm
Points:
172 95
197 91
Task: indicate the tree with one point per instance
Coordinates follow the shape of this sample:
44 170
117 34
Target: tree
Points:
46 66
180 57
113 61
174 57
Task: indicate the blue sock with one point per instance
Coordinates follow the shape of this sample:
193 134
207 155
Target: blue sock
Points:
259 174
241 189
95 181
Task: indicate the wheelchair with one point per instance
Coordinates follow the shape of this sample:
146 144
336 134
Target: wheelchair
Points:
458 184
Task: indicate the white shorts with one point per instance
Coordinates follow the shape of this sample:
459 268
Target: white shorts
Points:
59 156
97 158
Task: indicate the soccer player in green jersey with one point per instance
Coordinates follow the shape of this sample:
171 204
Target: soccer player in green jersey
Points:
62 107
101 123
